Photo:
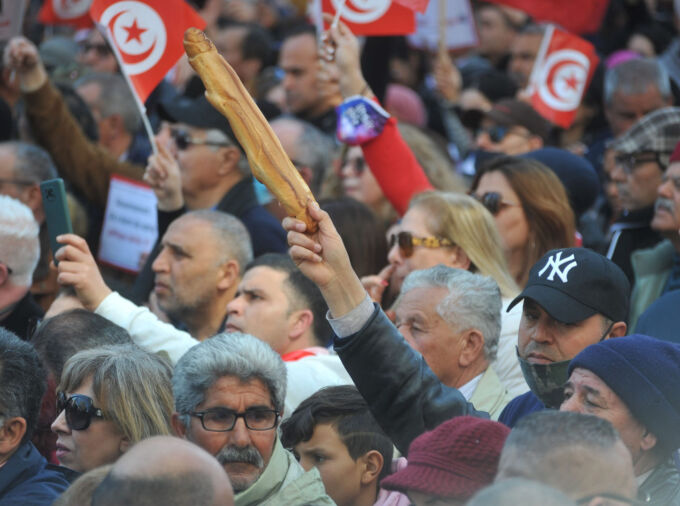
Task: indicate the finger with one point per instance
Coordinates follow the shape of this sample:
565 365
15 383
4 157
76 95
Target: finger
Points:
72 254
304 241
289 223
299 254
74 240
386 272
373 281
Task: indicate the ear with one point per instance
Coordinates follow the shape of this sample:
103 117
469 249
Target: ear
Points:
301 321
459 259
230 157
373 463
228 275
125 445
619 329
648 441
535 142
4 274
472 347
11 435
34 202
178 426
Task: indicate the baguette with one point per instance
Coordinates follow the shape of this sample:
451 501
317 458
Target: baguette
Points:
268 161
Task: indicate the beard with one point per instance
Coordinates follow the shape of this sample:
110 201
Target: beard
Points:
246 455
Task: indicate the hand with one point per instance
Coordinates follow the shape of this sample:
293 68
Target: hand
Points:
375 285
162 174
447 77
322 257
22 57
78 269
345 51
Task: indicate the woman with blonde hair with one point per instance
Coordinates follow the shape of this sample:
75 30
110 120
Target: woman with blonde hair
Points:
531 209
108 399
457 231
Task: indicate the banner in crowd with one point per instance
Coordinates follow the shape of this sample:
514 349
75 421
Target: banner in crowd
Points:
373 17
130 224
461 31
576 16
146 35
11 18
563 68
65 12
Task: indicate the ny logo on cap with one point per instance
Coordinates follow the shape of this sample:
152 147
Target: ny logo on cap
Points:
558 266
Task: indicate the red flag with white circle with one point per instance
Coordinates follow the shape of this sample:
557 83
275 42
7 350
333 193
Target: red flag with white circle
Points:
147 36
66 12
373 17
563 69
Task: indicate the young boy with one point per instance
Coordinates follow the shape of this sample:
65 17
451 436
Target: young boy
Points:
335 431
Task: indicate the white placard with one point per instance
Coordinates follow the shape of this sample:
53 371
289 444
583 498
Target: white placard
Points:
461 31
11 18
130 224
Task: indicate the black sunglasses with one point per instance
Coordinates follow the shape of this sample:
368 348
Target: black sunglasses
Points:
493 201
183 140
79 410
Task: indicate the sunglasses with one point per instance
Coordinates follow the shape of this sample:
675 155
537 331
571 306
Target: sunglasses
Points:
183 140
79 410
358 164
493 201
497 133
101 49
407 242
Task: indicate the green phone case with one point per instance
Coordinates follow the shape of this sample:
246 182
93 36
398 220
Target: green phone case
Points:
56 211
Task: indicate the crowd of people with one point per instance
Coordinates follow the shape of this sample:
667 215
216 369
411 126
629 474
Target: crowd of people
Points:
486 312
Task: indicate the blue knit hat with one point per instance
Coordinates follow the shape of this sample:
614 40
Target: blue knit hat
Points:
645 373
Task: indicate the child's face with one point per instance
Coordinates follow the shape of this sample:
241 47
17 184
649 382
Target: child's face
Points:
341 475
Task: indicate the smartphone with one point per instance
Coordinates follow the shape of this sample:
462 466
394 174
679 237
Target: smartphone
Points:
56 211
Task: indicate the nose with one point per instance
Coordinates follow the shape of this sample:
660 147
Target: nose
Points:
235 306
541 331
664 189
483 141
161 262
59 426
240 435
394 255
617 174
571 404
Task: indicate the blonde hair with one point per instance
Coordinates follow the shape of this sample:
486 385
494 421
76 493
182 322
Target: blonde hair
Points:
465 222
133 388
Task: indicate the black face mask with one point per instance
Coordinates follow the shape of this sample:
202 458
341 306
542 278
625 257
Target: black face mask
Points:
546 381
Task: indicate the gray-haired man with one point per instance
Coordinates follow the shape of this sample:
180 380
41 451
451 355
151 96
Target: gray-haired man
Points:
229 394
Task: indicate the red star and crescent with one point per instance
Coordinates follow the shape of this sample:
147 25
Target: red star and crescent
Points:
572 82
134 32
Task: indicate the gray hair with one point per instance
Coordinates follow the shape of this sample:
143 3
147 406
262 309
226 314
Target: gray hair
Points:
634 77
235 354
314 149
216 135
19 242
520 491
32 163
473 301
114 98
231 235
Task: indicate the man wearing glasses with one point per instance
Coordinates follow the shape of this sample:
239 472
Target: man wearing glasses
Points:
642 155
229 393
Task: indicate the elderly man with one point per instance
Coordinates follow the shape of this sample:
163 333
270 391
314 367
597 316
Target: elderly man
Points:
25 477
633 383
229 393
642 155
657 269
19 254
581 455
453 318
203 254
165 470
574 298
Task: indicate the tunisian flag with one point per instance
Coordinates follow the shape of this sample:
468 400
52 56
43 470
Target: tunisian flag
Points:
146 35
66 12
577 16
374 17
563 68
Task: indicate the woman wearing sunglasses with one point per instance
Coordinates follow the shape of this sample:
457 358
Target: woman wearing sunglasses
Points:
457 231
108 399
531 209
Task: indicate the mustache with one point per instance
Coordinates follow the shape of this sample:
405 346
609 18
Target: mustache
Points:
664 203
245 455
534 347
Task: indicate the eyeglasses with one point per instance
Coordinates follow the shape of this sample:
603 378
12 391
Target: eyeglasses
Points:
493 201
224 420
407 242
497 133
632 161
101 48
358 164
183 140
79 410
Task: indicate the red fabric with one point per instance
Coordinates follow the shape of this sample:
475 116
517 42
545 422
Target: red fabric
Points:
675 157
577 16
561 77
414 5
147 35
62 12
292 356
395 167
395 20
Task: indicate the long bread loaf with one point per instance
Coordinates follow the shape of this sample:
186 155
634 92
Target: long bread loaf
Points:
268 161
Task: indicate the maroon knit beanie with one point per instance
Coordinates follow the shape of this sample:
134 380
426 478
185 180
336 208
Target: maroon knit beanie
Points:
455 460
675 157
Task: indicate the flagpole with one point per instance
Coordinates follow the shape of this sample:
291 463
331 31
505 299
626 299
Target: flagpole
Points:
443 24
538 62
140 106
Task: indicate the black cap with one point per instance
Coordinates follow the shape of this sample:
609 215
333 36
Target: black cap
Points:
511 112
573 284
196 112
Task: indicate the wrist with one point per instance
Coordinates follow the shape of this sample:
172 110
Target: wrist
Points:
353 85
343 295
169 205
96 301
